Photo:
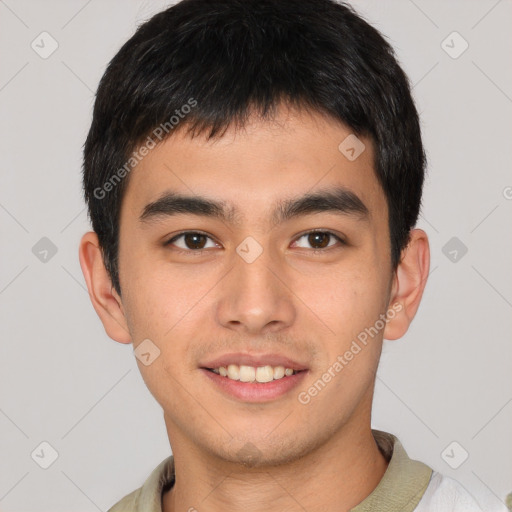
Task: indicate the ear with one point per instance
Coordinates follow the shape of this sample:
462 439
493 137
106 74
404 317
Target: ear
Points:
408 284
104 298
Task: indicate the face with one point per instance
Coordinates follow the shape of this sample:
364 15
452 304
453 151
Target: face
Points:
265 272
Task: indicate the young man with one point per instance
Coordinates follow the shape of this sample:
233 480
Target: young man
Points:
253 174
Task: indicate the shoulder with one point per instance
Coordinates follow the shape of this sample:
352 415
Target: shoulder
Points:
444 494
148 497
127 504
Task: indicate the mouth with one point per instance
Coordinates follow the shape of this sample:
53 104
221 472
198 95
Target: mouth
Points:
260 374
249 380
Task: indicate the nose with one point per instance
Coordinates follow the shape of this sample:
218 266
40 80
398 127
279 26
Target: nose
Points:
256 297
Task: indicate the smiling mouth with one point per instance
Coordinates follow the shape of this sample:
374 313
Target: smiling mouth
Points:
260 374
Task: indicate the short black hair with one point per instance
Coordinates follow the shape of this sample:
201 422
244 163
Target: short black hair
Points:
207 64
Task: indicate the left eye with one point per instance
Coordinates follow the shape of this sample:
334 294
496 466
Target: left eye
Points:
320 239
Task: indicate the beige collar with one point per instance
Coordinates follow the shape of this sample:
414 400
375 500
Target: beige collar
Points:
404 482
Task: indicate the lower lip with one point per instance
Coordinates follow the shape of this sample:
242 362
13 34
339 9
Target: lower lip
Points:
255 391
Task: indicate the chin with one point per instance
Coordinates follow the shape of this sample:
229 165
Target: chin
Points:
263 452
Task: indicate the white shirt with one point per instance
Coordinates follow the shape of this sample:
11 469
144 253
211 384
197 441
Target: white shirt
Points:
444 494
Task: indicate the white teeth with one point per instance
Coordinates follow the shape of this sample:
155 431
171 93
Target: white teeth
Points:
279 372
250 373
247 373
233 372
265 374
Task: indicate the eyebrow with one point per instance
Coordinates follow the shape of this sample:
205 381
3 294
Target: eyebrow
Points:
338 200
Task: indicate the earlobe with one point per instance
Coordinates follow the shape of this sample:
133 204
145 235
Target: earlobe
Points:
408 284
104 298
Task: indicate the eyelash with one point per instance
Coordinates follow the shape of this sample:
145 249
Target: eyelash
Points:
200 251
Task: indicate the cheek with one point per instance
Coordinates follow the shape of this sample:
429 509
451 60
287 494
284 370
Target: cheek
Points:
167 386
158 310
170 308
155 295
165 312
346 299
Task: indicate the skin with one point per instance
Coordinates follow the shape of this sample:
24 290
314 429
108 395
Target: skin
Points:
306 304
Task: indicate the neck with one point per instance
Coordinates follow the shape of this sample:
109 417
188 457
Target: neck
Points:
334 477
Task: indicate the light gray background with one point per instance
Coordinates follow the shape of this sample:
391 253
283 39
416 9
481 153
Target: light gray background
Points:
65 382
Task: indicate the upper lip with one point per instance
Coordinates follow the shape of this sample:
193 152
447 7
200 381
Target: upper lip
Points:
255 360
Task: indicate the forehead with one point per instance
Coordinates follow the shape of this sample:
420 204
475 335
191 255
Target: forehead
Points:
263 164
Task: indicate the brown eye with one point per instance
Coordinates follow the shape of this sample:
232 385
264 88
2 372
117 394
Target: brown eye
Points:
194 240
191 241
318 240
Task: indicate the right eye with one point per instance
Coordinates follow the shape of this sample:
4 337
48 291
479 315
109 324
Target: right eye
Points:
191 241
